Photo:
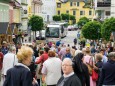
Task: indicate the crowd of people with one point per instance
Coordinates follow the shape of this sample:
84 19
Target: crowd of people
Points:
56 64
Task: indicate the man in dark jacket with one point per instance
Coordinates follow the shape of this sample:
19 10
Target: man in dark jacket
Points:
68 78
107 76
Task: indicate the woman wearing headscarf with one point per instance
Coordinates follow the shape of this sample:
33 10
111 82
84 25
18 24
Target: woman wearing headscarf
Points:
81 69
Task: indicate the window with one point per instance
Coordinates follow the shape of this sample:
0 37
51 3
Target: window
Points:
78 4
58 12
58 5
82 12
107 13
71 3
74 12
67 11
90 12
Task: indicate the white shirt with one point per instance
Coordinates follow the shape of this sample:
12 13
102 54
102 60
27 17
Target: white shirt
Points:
52 70
9 61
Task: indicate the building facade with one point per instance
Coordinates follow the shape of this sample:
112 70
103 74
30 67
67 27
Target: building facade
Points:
112 8
103 9
48 10
76 8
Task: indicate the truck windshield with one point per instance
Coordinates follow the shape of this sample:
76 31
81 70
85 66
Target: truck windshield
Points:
52 32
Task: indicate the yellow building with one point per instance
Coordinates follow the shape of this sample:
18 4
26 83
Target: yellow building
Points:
74 7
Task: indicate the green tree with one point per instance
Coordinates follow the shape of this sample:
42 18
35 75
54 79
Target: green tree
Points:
82 21
65 16
107 28
92 30
36 23
72 18
57 18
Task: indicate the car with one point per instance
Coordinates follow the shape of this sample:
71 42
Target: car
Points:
75 26
70 28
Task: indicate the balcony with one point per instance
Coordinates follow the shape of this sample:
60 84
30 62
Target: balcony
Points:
103 4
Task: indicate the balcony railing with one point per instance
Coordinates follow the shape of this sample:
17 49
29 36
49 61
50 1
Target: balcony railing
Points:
103 4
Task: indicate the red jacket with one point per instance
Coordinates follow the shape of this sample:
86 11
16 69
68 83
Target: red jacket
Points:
1 60
42 58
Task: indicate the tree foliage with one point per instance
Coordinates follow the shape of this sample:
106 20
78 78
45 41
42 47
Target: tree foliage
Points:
57 18
71 17
82 21
107 28
36 23
65 16
92 30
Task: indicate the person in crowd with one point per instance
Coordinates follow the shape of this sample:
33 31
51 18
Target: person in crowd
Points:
84 51
75 41
98 65
1 62
81 70
73 51
58 43
107 77
4 48
35 49
104 58
20 74
38 74
53 47
51 71
9 60
67 54
62 51
88 59
43 57
69 78
18 46
93 50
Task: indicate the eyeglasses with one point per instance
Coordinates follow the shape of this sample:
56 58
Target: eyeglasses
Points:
67 50
66 65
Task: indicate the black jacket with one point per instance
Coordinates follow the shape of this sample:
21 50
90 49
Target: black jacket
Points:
107 76
18 76
71 81
82 75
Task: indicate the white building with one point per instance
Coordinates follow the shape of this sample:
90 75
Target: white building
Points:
48 10
112 8
103 8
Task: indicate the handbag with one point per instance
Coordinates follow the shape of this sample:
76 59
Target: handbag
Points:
94 75
90 67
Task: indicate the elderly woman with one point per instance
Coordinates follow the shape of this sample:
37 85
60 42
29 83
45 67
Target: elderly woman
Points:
20 74
51 69
107 77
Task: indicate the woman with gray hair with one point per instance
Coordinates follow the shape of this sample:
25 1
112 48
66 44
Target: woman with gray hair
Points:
107 77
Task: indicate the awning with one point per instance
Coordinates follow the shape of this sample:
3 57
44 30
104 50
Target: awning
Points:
3 27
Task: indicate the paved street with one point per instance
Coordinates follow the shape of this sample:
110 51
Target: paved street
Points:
70 37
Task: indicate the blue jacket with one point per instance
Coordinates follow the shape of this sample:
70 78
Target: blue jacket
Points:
18 76
107 76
